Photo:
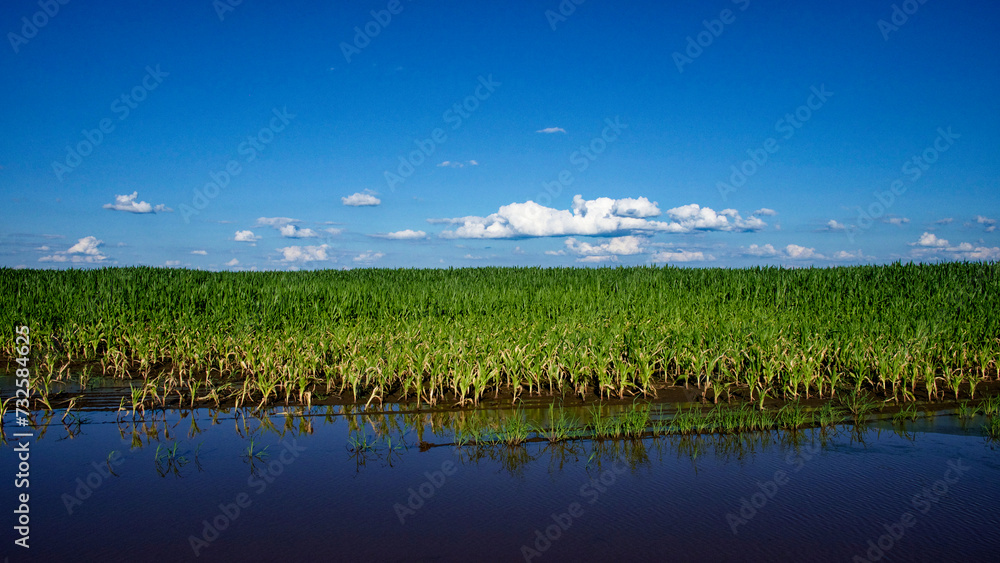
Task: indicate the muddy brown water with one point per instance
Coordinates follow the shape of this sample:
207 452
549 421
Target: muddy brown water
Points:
335 483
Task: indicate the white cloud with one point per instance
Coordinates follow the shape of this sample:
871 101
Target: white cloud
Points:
361 199
333 231
898 221
292 231
930 240
408 234
945 221
457 164
556 252
245 236
833 225
276 222
471 257
757 250
233 262
43 248
765 211
172 263
86 250
621 246
847 255
991 224
304 253
796 252
128 203
608 258
600 216
200 252
930 246
550 130
681 256
368 256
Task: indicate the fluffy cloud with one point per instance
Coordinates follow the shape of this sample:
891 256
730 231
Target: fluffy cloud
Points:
930 246
833 225
172 263
681 256
945 221
991 224
368 256
550 130
620 246
846 255
86 250
930 240
796 252
361 199
765 211
276 222
245 236
304 253
233 262
757 250
898 221
601 216
408 234
129 203
292 231
200 252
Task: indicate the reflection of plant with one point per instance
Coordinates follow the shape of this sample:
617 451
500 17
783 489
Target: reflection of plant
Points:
253 453
168 460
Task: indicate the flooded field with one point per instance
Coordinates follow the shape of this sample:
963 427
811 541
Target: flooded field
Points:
393 484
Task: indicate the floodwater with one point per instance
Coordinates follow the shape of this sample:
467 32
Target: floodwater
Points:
336 484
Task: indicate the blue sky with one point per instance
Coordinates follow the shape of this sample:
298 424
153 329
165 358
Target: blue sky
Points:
436 134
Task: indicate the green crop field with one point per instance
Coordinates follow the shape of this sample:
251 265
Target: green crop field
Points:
902 332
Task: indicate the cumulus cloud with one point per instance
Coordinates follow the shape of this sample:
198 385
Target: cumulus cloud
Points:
796 252
276 222
233 262
898 221
368 256
333 231
245 236
128 203
930 246
834 225
765 211
757 250
847 255
292 231
86 250
681 256
361 199
991 224
408 234
200 252
620 246
550 130
930 240
304 253
172 263
601 216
